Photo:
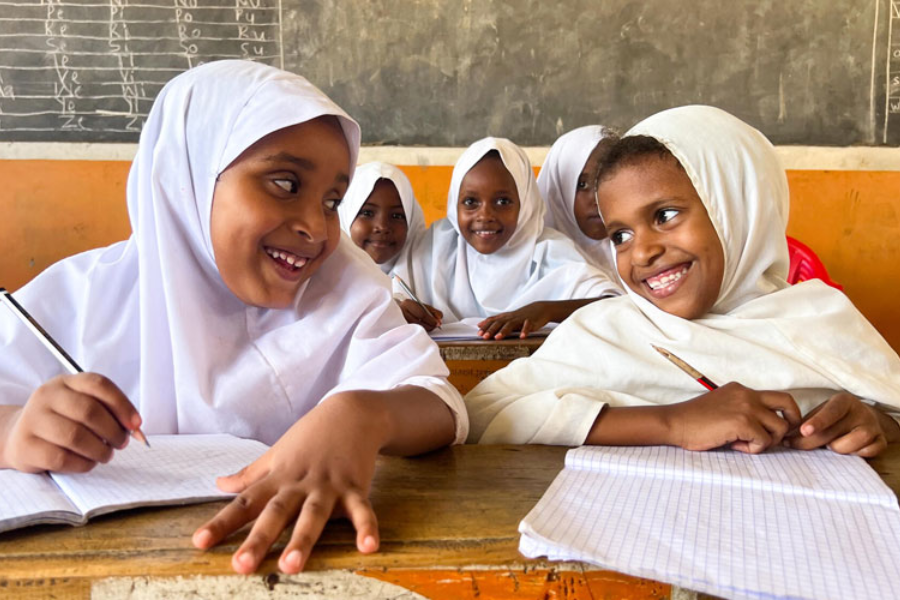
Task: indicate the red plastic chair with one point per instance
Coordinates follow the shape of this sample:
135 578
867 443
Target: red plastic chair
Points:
806 265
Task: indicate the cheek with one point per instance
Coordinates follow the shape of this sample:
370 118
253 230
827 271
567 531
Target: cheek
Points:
358 231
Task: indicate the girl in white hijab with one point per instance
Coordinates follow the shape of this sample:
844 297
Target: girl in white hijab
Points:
696 204
235 306
492 256
381 215
566 183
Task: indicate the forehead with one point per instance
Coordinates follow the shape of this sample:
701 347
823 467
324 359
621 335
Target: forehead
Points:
385 193
644 181
490 170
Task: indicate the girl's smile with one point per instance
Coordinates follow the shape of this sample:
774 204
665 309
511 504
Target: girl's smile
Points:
667 249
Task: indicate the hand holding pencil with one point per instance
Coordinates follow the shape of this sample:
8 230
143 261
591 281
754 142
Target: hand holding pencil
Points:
417 312
71 422
732 415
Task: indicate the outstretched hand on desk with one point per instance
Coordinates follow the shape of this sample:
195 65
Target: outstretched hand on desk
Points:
321 467
525 320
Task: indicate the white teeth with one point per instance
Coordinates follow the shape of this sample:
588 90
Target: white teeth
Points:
291 259
656 283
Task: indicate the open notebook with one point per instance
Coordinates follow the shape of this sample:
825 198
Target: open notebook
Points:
176 469
780 524
467 329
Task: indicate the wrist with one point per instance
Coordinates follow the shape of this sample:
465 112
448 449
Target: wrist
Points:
362 414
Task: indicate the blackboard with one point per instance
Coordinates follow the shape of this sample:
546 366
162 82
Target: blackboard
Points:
443 73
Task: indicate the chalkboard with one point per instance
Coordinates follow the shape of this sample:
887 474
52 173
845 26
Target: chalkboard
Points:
441 73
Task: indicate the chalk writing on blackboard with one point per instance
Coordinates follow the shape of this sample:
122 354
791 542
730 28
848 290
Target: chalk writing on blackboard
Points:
90 69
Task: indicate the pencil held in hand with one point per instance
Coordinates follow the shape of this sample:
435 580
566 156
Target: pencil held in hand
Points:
412 297
61 355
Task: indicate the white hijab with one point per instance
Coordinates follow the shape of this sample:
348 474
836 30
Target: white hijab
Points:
558 182
537 263
364 181
153 314
807 339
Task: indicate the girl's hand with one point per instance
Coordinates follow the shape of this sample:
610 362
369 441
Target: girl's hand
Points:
734 415
321 467
414 314
846 425
526 320
69 424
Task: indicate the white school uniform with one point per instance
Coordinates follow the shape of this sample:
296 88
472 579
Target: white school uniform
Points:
558 181
807 339
364 180
153 314
537 263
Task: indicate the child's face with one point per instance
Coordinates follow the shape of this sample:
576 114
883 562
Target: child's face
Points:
667 249
587 215
274 214
488 205
380 225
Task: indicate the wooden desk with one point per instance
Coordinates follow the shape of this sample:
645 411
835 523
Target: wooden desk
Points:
448 523
471 361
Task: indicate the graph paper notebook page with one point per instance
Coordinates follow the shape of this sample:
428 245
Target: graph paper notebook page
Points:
467 329
780 524
177 469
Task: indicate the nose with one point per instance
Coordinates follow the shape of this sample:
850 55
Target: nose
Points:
310 222
646 248
485 212
382 224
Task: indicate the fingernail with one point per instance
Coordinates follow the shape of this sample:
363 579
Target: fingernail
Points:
202 538
291 562
807 430
136 420
369 543
246 559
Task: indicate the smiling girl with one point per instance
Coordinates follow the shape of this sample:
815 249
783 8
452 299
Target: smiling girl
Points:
696 205
235 306
492 256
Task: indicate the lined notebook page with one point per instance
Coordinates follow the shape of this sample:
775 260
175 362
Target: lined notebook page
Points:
176 469
467 329
24 497
781 524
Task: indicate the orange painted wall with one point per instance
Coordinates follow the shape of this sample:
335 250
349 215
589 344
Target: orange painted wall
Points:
53 209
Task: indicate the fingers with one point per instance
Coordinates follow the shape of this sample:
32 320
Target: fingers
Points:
860 441
359 511
240 511
526 329
45 456
783 402
104 390
413 313
438 315
829 414
70 437
279 511
247 476
313 516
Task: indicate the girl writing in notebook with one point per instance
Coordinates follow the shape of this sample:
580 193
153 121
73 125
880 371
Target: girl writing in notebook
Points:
235 306
381 215
566 183
492 257
696 205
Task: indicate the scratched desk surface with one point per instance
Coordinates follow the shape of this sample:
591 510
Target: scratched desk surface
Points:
448 523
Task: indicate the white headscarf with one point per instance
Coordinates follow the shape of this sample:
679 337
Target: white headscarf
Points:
537 263
807 339
153 314
558 182
364 181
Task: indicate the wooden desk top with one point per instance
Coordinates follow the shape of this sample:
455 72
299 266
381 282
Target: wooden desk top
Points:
508 349
448 523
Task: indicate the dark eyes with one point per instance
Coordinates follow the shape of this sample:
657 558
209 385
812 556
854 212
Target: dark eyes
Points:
333 203
365 212
398 216
469 201
291 186
666 214
503 201
620 237
581 185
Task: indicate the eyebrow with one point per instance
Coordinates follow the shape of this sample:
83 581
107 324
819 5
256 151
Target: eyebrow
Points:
303 163
650 208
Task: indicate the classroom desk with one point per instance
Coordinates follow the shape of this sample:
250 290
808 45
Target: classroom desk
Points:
470 361
448 523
